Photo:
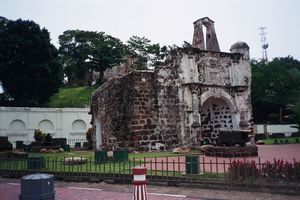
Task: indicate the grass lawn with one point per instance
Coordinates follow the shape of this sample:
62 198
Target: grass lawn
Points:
72 97
290 140
83 154
151 154
90 154
55 163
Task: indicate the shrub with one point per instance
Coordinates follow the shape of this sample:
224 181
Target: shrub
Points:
260 137
277 135
38 135
243 170
297 170
90 134
36 143
278 170
62 142
295 134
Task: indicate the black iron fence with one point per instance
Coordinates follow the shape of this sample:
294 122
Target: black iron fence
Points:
173 170
73 143
77 143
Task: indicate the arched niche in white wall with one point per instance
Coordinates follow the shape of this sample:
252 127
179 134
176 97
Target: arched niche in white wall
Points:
17 128
78 127
46 126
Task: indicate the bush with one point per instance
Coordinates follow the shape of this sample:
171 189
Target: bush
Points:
243 170
278 170
277 135
260 137
297 170
62 142
90 134
5 145
38 135
295 134
36 143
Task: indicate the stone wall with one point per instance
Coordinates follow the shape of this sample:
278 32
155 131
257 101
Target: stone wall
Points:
88 78
112 106
144 122
128 112
169 105
119 70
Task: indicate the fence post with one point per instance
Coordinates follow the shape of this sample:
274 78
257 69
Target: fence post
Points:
295 170
139 183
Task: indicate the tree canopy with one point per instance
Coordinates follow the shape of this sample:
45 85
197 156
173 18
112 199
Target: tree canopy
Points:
81 51
144 53
29 69
275 90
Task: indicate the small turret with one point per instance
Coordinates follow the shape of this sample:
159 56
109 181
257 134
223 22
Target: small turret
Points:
242 48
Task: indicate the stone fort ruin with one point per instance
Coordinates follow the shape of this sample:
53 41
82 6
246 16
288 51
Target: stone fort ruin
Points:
197 92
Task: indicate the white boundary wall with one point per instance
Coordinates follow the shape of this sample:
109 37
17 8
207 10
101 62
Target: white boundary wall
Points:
18 123
270 129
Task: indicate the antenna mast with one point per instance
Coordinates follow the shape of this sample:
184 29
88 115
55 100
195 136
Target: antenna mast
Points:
264 44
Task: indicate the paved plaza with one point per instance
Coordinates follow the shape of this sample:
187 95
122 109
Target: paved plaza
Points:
289 153
10 190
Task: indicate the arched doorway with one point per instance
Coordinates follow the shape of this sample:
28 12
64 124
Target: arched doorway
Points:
216 114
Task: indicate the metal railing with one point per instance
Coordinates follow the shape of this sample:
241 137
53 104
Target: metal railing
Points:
72 142
174 170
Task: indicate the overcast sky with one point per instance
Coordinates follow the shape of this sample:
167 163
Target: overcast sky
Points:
170 21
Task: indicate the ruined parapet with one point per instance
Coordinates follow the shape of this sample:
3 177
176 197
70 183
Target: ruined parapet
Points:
211 36
119 70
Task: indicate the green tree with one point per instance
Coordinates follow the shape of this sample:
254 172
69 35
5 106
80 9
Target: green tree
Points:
82 51
295 110
144 53
275 86
297 113
186 44
29 69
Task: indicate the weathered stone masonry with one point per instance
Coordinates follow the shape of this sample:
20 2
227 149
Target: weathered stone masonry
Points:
196 93
127 111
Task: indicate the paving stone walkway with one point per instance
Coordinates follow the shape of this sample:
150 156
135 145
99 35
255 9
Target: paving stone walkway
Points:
10 190
289 153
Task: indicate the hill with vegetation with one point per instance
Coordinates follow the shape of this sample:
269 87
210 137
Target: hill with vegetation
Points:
72 97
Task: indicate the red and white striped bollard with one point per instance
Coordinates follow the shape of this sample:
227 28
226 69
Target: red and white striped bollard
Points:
139 183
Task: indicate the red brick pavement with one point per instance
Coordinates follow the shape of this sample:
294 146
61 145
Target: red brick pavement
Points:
266 153
11 192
